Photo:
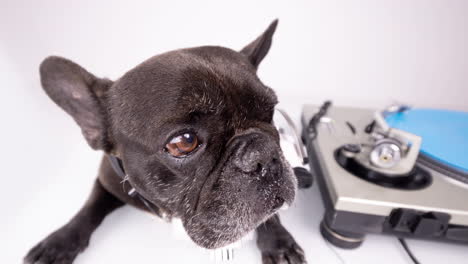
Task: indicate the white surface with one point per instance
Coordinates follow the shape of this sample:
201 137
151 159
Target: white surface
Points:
354 52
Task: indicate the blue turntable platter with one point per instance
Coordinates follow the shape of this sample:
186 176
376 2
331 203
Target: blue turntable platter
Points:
444 134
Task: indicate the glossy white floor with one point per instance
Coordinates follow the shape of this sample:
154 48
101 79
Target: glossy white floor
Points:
51 185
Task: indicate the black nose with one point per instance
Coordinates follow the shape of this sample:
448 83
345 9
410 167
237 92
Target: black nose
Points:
256 152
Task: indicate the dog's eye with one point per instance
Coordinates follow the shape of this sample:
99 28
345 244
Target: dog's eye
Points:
182 145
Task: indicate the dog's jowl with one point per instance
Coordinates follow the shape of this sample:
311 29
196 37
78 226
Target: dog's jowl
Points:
192 130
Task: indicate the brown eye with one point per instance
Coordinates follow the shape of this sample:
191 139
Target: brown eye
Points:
182 145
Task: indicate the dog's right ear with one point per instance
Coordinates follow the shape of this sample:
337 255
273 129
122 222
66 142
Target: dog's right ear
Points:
81 95
258 49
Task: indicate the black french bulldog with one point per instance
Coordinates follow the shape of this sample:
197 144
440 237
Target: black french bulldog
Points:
193 129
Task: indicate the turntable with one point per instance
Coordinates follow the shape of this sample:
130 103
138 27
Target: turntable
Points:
400 171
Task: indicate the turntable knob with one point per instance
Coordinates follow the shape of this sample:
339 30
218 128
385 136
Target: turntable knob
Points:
385 155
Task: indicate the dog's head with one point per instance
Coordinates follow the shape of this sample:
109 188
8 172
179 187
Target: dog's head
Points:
194 130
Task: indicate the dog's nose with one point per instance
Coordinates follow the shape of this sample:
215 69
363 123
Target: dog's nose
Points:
256 152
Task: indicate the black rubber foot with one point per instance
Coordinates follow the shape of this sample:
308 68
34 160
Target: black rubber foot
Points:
304 177
341 239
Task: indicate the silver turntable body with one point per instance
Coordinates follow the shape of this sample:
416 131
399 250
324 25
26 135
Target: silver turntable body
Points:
360 195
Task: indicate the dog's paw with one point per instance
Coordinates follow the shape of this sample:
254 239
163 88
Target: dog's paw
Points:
278 246
290 253
61 247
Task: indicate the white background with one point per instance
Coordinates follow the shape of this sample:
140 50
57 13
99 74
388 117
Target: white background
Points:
362 53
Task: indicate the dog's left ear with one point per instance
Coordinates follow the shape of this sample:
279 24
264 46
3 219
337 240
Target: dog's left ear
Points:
258 49
80 94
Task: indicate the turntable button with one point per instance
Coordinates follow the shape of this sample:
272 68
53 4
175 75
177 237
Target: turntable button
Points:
428 227
419 224
431 224
401 220
457 233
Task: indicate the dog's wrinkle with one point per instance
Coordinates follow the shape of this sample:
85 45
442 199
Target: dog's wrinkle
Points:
184 204
210 174
243 148
205 94
210 79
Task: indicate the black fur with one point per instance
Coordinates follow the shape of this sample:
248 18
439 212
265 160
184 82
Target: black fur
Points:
234 181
